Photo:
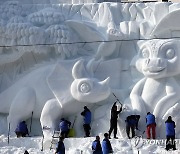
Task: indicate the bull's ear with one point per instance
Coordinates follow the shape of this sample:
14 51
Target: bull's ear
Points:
60 79
78 70
88 28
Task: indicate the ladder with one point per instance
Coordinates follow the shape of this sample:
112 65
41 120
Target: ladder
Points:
55 136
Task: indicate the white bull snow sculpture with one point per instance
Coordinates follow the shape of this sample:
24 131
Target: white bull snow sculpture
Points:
52 91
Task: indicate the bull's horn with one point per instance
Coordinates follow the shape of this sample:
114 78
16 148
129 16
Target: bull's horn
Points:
106 81
90 67
78 70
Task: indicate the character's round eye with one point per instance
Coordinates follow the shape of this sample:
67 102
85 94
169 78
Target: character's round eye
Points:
145 53
170 53
85 87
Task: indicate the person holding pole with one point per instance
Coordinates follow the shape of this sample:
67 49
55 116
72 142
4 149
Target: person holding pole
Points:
113 120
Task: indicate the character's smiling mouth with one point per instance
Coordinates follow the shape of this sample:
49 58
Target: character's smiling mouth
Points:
154 69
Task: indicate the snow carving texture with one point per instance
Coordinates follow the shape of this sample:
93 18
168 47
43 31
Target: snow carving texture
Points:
48 16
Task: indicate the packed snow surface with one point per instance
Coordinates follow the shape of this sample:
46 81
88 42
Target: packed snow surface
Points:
83 145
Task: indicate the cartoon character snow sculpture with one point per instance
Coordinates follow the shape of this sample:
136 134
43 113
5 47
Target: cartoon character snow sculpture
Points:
55 89
158 91
82 90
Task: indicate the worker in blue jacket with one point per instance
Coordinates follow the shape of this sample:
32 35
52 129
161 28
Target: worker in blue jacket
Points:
170 134
60 149
64 127
96 146
106 145
151 125
87 121
21 129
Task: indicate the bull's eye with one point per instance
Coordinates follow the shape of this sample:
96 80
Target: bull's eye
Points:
170 53
145 53
84 87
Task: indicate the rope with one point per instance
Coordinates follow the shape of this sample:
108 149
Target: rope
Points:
84 42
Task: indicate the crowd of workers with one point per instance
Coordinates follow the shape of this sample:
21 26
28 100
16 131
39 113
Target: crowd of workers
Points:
105 147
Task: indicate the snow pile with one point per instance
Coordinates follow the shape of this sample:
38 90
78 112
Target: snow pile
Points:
82 145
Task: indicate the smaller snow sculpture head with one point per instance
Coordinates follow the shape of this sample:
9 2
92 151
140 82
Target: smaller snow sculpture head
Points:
85 88
159 59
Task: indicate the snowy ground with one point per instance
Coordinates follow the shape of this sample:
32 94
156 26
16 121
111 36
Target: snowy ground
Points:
83 145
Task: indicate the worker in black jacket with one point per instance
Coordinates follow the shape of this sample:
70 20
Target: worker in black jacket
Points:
113 120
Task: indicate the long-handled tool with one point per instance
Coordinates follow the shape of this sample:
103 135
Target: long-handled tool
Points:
117 99
42 143
8 132
31 123
141 131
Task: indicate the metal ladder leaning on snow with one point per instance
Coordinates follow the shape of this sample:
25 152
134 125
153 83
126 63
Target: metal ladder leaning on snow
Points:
55 136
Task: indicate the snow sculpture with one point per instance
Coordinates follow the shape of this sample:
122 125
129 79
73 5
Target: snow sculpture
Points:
71 31
55 91
158 91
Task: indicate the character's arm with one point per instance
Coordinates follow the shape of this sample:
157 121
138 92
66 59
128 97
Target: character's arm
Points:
169 100
135 96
